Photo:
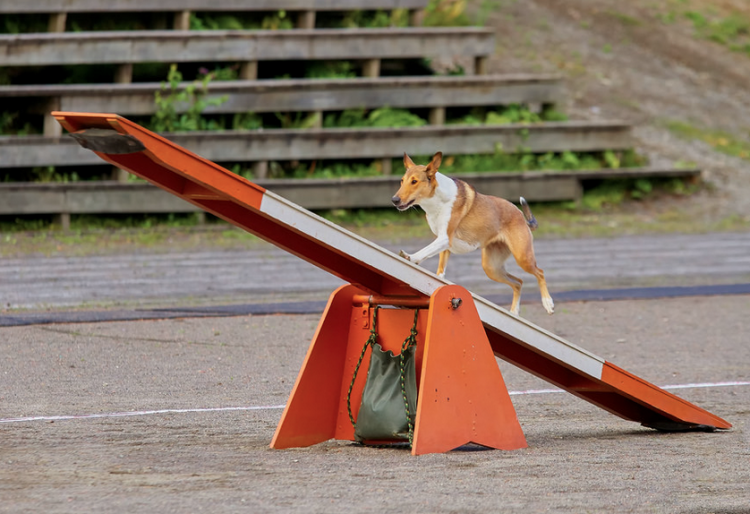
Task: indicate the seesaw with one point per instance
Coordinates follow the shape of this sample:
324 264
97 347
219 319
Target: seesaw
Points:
462 397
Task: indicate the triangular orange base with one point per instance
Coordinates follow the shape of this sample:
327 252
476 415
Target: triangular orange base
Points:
462 396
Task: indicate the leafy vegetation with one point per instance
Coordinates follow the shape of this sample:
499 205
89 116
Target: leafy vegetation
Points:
363 19
21 23
446 13
330 70
278 20
55 174
12 123
616 191
509 162
168 117
504 115
382 117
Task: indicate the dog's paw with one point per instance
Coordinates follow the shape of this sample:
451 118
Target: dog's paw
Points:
404 255
548 304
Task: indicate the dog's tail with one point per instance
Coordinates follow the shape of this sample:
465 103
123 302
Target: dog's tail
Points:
530 219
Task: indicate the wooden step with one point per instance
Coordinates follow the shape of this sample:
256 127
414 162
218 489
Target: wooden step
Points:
173 46
85 6
306 94
372 143
108 197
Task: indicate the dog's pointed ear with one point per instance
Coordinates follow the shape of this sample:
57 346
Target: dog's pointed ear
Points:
408 163
434 164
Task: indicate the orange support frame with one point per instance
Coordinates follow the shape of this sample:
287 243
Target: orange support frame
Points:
477 328
462 396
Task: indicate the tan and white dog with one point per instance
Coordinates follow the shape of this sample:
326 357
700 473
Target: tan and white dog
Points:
464 220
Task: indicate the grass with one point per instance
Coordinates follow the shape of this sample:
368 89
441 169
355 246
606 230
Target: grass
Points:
719 140
608 210
728 27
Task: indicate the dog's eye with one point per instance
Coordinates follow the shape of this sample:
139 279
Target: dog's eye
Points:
414 181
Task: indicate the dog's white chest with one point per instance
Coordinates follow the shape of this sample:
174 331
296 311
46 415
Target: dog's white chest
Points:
439 208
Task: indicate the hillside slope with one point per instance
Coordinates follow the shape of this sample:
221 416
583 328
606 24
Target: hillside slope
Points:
679 71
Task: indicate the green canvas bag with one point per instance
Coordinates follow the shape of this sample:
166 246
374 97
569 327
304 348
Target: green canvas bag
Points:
389 398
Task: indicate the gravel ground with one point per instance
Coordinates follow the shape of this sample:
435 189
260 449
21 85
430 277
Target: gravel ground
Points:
580 458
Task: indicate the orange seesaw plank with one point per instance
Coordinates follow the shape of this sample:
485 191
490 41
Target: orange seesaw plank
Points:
378 271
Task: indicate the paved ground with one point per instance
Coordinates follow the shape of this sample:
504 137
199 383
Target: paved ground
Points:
580 459
266 274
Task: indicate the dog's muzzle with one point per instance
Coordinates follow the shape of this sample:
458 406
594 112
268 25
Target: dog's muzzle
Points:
397 203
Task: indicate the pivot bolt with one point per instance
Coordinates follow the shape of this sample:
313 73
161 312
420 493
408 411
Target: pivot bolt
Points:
456 303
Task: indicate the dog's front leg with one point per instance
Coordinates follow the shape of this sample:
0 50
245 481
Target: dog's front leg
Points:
438 245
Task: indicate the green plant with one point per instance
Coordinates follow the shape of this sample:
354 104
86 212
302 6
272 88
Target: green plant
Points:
20 23
386 117
246 121
330 70
222 73
11 123
549 113
215 22
374 19
337 170
278 20
513 113
347 118
731 30
179 108
446 13
612 160
240 21
299 121
382 117
615 191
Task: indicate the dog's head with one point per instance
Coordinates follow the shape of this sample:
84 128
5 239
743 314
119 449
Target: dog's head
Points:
417 183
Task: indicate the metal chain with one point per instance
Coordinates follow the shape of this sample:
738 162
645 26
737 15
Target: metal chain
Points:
408 343
370 342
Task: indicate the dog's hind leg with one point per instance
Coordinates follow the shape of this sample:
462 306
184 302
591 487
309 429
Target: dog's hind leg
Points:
493 263
443 263
523 252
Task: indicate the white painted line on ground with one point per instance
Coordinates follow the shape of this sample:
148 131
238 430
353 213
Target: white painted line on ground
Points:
277 407
138 413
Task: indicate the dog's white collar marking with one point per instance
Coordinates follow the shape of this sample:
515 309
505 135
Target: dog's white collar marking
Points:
439 209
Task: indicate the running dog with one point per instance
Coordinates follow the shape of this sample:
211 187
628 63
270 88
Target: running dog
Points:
464 220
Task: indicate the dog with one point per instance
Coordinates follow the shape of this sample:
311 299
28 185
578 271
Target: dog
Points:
464 220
